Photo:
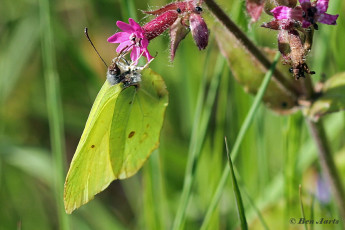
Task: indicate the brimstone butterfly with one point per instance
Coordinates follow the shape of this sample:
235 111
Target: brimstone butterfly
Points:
122 130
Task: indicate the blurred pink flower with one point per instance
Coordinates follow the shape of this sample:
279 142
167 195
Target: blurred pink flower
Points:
132 38
307 13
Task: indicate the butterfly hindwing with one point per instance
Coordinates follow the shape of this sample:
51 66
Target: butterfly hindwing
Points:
137 123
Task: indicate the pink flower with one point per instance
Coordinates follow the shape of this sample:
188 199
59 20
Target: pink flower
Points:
307 13
132 38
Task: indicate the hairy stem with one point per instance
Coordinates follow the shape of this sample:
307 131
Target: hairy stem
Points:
250 46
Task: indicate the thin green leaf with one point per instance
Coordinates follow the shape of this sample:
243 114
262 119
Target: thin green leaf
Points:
35 162
128 10
152 199
54 106
254 206
301 204
16 54
239 202
312 210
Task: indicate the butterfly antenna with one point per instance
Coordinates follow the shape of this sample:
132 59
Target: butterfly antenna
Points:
88 38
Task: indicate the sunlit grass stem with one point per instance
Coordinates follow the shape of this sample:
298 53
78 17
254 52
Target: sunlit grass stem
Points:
54 107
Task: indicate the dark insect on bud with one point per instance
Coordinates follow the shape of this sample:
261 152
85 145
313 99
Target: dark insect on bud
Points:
178 10
198 9
304 14
300 70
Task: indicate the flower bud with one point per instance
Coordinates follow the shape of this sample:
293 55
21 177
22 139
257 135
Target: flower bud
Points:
158 25
199 30
283 44
254 8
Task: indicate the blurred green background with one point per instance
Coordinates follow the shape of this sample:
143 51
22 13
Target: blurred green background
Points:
276 155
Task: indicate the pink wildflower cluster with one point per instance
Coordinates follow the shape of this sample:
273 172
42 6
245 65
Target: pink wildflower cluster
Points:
296 25
179 17
308 13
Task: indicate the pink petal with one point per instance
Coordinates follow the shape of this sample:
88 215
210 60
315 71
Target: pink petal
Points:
135 54
134 25
328 19
281 12
125 27
322 6
123 45
147 55
144 43
119 37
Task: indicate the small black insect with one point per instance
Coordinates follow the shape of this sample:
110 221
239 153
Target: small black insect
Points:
198 9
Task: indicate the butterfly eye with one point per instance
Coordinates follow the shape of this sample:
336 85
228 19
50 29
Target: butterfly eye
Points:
117 70
114 70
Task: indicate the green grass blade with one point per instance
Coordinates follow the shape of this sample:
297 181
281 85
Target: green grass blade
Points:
238 141
16 55
239 202
54 109
198 135
128 10
256 209
152 196
301 204
312 211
